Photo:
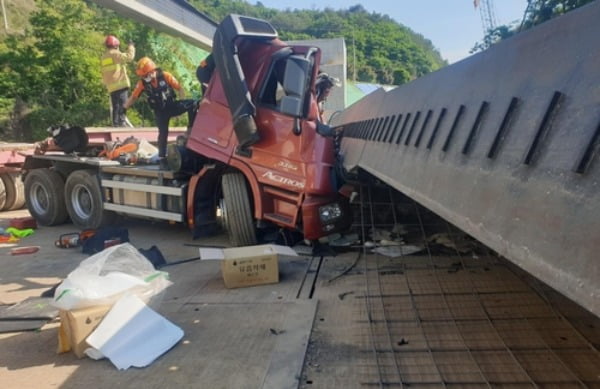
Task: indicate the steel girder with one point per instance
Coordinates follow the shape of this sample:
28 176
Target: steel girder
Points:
174 17
504 145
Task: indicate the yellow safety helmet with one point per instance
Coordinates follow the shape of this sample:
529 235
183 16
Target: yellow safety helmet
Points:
144 66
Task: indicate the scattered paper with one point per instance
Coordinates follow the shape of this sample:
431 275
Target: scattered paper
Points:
132 334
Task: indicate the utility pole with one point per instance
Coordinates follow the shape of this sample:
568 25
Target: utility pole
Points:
353 57
5 18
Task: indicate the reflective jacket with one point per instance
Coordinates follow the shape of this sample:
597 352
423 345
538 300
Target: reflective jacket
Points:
162 94
114 71
160 91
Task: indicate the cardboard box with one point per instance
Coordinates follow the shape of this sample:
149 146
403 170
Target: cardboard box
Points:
76 325
248 266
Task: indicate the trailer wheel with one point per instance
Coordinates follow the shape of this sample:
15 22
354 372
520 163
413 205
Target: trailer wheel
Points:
44 196
15 192
237 214
83 198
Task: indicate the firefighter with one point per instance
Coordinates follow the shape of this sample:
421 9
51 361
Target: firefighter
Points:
163 91
114 77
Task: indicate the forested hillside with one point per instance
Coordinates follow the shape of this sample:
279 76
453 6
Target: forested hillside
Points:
386 52
51 66
50 55
50 62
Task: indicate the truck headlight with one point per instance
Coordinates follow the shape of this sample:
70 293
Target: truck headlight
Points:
330 212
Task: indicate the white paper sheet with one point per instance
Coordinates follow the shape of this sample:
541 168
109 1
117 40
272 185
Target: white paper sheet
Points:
216 254
210 254
132 334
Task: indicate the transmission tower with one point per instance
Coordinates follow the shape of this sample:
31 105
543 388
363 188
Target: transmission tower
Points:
488 15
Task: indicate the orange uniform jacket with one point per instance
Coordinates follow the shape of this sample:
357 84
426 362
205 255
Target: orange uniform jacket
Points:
172 81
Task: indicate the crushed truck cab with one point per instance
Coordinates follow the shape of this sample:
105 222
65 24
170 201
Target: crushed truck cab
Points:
258 122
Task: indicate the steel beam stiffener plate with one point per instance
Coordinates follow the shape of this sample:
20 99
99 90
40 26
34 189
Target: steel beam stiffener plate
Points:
504 145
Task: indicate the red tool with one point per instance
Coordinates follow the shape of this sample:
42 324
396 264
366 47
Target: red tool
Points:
67 241
73 239
24 250
111 242
85 234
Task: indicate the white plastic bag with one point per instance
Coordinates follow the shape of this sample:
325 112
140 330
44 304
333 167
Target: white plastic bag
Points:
146 150
108 275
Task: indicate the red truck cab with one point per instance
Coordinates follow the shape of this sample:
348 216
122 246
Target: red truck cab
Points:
256 131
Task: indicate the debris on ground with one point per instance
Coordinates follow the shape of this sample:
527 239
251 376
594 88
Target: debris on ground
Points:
104 311
24 250
397 251
459 242
73 239
104 277
103 238
29 314
302 249
132 334
19 233
23 222
345 240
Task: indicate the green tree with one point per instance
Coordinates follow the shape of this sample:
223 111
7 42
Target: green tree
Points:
49 69
537 12
494 36
540 11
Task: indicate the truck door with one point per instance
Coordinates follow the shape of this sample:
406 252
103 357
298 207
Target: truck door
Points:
279 144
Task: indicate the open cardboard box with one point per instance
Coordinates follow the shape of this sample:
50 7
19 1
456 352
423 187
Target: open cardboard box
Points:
248 266
76 325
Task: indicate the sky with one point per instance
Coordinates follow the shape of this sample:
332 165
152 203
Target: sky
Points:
453 26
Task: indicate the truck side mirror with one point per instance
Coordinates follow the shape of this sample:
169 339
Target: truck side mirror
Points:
295 85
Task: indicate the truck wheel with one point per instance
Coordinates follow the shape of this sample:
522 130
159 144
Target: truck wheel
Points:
15 192
83 198
44 196
237 214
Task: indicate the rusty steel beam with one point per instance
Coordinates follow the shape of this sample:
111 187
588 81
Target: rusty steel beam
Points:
504 145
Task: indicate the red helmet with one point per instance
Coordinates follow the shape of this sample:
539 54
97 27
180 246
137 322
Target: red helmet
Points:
111 41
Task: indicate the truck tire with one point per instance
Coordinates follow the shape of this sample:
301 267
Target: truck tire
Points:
83 199
237 213
44 196
15 192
